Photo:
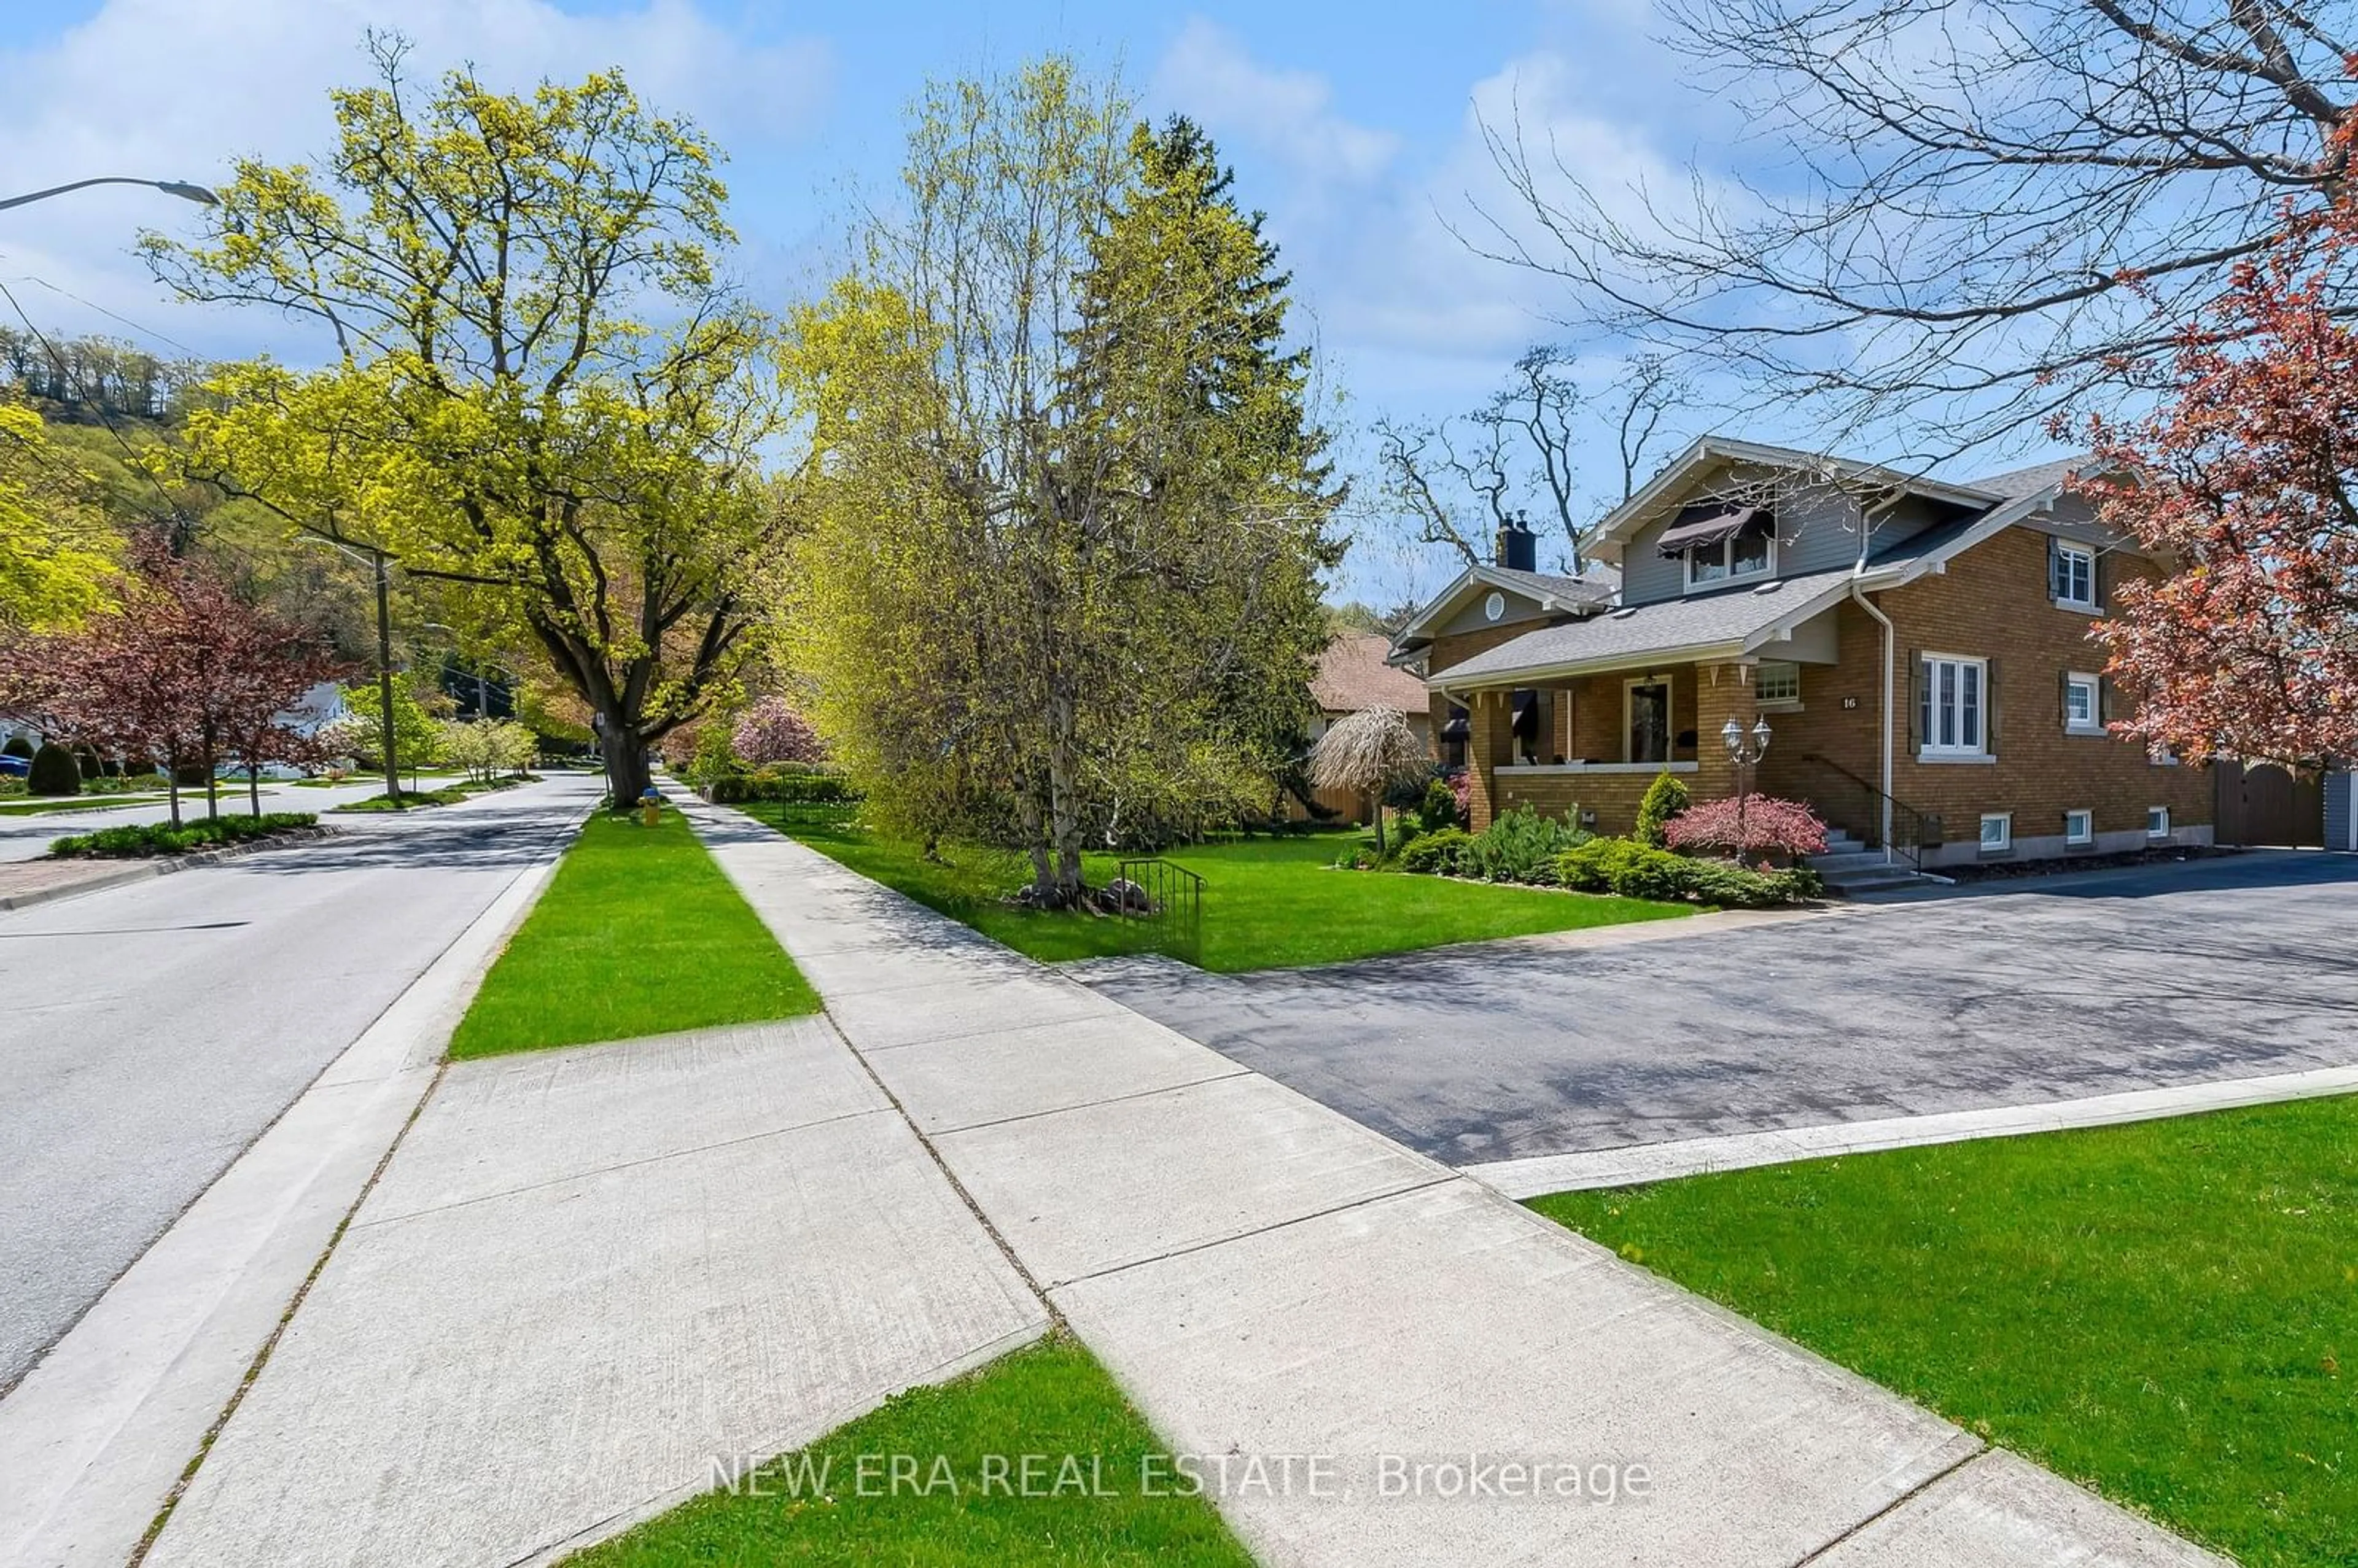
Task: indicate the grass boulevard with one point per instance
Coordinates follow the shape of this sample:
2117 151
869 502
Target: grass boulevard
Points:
1268 902
2165 1312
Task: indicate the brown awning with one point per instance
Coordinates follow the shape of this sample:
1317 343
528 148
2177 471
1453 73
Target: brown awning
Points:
1681 538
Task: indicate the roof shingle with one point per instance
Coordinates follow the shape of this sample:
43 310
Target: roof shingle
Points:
1352 676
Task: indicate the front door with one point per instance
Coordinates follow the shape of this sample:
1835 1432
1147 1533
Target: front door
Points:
1650 721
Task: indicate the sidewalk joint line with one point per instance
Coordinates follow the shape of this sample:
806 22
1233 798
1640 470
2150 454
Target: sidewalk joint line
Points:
1235 1072
1055 1316
1195 1246
617 1165
1900 1501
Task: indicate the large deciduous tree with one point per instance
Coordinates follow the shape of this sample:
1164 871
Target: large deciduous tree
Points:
544 397
1932 222
1063 585
2247 480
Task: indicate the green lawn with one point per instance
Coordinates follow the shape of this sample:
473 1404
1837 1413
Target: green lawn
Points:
1268 902
2166 1312
639 933
1051 1399
20 807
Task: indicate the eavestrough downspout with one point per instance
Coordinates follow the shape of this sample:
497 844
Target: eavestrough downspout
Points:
1866 535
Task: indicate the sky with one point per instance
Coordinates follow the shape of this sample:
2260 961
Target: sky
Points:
1358 127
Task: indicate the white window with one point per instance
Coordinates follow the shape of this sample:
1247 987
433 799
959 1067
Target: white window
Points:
1953 710
2156 822
2073 568
2079 828
1776 681
1998 832
2083 711
1748 555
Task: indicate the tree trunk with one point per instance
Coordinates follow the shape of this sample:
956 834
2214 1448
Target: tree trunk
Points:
627 774
253 790
172 786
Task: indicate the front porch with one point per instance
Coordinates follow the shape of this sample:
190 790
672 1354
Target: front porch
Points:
1596 742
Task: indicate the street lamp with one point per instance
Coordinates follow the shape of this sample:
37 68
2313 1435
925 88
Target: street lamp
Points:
1746 752
179 187
376 557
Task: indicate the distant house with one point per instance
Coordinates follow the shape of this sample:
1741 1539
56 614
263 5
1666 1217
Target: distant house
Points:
1353 677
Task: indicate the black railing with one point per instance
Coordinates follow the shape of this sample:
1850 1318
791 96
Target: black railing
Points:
1912 831
1166 902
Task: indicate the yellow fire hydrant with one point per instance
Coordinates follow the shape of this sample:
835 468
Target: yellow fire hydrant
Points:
651 806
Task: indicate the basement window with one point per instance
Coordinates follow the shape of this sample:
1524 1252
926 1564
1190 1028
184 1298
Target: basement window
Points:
2079 829
2156 822
1998 832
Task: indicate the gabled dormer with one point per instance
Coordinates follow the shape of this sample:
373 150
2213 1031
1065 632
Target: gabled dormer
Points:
1486 604
1727 514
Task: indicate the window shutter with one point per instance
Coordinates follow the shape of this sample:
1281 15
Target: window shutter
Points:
2063 697
2107 699
2096 578
2055 568
1920 693
1989 706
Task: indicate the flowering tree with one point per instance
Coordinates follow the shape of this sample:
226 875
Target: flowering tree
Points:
180 668
2244 481
1761 824
772 732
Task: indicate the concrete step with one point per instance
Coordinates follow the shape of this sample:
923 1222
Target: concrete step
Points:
1875 879
1850 860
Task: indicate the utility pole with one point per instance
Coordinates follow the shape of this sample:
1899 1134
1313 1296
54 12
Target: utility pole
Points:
384 673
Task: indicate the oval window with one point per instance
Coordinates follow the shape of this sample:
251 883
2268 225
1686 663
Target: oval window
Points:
1493 606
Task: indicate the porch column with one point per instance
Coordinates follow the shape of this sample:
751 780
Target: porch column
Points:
1722 692
1489 739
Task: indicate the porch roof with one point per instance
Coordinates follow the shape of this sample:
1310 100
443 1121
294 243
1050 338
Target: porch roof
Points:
1722 625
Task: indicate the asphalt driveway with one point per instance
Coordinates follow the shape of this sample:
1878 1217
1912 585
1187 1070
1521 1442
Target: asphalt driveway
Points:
2039 989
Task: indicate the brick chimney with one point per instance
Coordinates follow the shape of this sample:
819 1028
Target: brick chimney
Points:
1518 548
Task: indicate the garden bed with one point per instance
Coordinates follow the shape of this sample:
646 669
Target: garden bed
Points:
147 840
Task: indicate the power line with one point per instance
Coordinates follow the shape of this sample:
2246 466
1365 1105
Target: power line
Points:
112 315
172 507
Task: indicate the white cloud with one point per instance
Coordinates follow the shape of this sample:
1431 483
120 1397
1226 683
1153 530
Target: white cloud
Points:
1209 73
178 89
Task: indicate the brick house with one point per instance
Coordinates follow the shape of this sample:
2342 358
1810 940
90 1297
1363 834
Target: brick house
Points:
1920 650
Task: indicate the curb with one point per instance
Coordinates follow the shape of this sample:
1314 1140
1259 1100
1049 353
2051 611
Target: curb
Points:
151 867
98 1437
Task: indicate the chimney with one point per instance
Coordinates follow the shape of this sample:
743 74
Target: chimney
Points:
1518 547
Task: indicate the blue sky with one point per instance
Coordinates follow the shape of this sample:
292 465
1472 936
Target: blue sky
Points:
1354 125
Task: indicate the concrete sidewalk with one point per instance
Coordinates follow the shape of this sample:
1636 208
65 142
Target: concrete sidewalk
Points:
590 1283
1268 1279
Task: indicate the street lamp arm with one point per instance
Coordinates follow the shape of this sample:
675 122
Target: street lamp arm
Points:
181 188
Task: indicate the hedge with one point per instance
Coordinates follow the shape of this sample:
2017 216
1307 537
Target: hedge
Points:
163 838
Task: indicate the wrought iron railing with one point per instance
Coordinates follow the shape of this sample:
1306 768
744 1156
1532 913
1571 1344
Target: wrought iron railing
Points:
1166 902
1912 831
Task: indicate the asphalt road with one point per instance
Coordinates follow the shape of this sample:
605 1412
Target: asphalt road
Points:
154 1031
2037 990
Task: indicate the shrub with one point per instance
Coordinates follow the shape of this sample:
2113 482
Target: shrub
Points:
1519 846
1732 886
1626 867
1666 797
17 746
1439 807
1436 853
1769 826
791 786
162 839
54 771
